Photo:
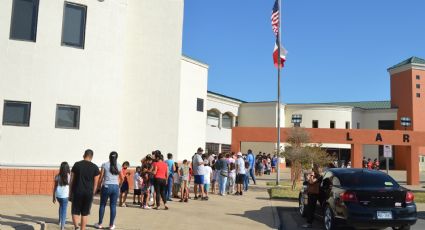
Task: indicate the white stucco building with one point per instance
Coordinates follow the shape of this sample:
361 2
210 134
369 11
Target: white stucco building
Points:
102 75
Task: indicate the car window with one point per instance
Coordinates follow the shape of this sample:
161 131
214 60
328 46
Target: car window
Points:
367 179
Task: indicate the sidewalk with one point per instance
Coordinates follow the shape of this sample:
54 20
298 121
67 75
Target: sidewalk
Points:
253 210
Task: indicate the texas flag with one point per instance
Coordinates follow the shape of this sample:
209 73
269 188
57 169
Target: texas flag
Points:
283 53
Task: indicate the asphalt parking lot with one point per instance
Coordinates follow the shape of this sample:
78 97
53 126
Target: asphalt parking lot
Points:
291 220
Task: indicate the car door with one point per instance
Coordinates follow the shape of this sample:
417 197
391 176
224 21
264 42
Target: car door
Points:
325 186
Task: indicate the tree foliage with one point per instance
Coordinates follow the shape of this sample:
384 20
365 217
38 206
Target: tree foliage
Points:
302 154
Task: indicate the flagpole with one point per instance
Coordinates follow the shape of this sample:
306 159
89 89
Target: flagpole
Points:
278 96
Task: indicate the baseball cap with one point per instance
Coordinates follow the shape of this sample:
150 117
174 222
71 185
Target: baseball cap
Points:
206 161
239 154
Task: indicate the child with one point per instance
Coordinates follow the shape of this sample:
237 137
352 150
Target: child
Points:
144 190
137 185
176 181
184 172
207 178
214 178
124 186
232 178
61 192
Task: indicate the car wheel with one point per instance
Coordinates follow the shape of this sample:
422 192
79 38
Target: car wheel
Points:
301 205
405 227
328 219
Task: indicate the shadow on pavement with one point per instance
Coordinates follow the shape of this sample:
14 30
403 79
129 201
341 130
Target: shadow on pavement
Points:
16 222
421 215
258 216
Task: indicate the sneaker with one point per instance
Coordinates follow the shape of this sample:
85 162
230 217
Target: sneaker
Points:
195 198
98 226
148 207
134 202
112 227
307 226
236 193
186 200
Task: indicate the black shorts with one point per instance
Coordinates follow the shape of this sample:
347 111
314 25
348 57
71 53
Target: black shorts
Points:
81 204
137 192
124 187
240 178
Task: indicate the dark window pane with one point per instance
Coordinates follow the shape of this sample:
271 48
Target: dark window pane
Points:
200 105
227 121
225 148
74 25
332 125
418 95
67 116
16 113
418 86
367 179
418 77
24 20
315 124
347 125
212 148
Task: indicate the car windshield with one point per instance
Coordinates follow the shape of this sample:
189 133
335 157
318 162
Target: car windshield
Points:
367 179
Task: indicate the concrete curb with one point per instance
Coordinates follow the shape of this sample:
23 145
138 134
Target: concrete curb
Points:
276 218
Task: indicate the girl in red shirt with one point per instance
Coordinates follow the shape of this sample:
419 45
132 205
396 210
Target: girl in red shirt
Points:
160 171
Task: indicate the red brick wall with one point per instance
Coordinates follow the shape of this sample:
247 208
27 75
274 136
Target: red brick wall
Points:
32 181
26 181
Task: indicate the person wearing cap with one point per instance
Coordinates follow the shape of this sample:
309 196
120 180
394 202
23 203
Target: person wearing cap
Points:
198 172
240 173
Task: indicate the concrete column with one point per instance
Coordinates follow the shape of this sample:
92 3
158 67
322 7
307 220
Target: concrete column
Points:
412 166
233 121
356 155
220 120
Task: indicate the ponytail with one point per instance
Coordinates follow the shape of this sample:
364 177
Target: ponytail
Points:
113 168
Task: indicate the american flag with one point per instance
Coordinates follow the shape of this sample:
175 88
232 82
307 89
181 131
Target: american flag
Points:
275 17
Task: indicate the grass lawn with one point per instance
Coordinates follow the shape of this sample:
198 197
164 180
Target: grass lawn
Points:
419 197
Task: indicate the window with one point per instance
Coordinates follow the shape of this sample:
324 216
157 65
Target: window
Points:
24 20
315 124
418 86
16 113
225 148
74 25
358 125
332 124
67 117
213 118
418 95
418 77
200 105
347 125
227 121
212 148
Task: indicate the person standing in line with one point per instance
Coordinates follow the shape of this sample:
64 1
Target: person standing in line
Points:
198 170
137 183
222 168
160 170
313 190
171 169
84 180
274 163
184 174
240 174
176 181
124 186
61 192
109 182
251 160
207 177
232 178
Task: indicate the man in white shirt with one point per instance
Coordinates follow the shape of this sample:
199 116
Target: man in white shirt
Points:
240 173
198 172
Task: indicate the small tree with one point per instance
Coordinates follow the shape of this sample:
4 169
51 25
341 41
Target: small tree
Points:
302 154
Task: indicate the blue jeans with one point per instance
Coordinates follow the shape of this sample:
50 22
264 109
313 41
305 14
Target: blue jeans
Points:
245 183
112 192
222 181
169 190
252 174
63 204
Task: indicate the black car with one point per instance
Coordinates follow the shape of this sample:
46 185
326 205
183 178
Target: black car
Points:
362 198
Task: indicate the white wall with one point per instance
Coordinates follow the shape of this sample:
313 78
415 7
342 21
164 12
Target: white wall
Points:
192 123
217 134
261 114
46 73
152 77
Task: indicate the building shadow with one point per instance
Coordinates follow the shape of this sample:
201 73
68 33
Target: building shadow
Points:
260 216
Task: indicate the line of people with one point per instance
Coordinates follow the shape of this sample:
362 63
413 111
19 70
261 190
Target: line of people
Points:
155 180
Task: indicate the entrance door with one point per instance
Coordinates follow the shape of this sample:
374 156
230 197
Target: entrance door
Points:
421 163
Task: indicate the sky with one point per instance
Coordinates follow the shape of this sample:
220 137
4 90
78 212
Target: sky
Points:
338 50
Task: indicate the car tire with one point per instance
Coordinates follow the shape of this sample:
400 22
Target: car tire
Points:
404 227
301 205
329 218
